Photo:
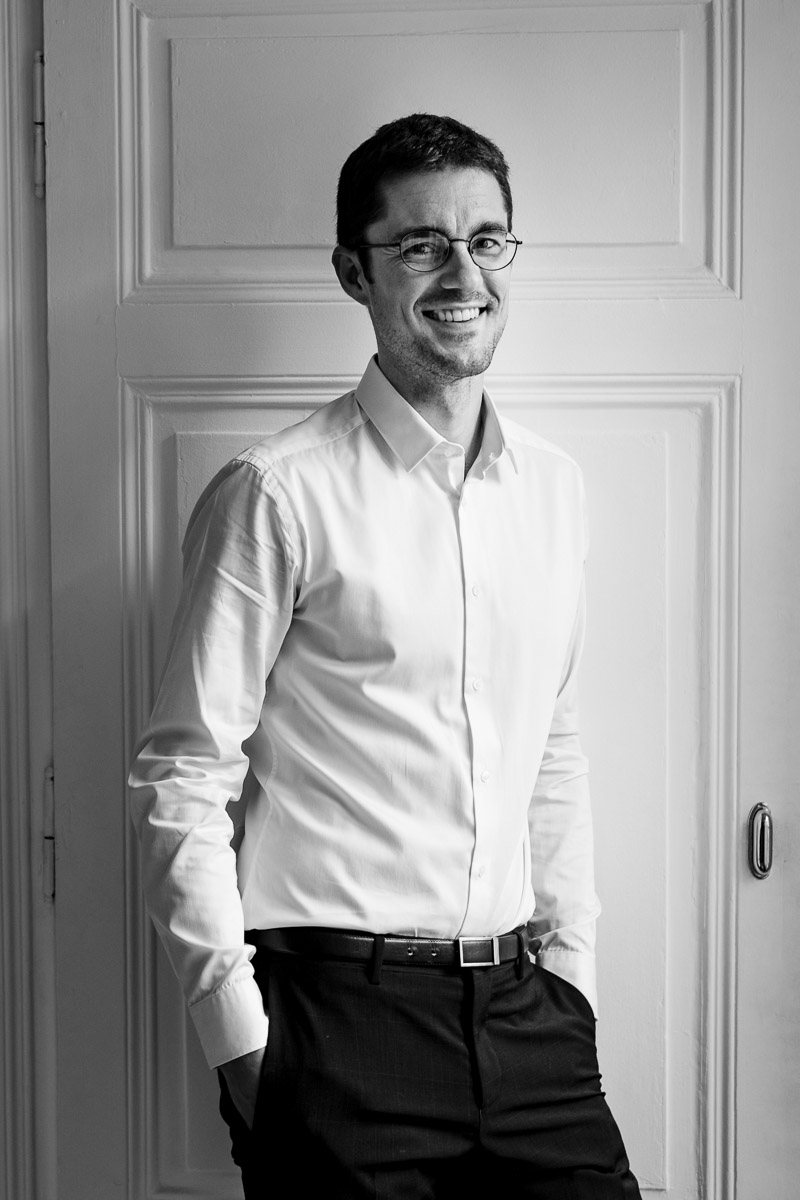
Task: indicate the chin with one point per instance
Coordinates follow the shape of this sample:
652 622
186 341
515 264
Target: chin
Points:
464 366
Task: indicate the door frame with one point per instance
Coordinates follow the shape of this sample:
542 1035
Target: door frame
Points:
27 998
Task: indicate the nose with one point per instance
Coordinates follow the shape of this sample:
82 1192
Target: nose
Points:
459 271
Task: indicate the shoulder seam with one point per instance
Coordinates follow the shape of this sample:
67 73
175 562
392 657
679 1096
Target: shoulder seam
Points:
272 460
516 434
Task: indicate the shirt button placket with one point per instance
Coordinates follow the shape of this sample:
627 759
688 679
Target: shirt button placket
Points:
476 681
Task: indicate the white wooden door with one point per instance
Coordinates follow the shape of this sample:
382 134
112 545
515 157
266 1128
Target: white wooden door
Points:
193 149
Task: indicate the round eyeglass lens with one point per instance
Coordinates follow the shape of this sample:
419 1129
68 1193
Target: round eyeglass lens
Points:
426 251
491 250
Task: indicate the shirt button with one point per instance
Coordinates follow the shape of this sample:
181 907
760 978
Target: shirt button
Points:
476 591
484 776
477 684
481 872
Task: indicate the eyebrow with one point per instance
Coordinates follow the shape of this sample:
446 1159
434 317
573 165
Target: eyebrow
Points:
484 227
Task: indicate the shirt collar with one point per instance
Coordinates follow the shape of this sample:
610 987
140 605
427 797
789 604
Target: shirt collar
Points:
493 443
409 435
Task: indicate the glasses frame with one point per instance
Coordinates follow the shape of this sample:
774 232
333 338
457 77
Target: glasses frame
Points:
510 241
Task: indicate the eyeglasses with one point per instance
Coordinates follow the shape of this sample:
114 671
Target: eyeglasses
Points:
427 249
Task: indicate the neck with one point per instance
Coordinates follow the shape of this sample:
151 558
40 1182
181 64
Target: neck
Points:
453 409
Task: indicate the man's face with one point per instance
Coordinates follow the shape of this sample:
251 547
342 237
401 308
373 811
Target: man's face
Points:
443 325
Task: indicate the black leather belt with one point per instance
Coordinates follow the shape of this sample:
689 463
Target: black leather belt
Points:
344 945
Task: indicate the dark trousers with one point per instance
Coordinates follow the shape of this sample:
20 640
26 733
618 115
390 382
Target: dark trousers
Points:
431 1083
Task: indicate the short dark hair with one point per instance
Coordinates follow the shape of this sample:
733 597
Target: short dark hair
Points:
419 142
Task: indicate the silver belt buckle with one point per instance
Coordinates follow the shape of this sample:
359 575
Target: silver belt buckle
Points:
494 961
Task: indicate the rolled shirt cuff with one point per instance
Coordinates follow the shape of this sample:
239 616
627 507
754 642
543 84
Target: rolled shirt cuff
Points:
231 1021
577 967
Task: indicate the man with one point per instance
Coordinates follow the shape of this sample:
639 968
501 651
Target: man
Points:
382 619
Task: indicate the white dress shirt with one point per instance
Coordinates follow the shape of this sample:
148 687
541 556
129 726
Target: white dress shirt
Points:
392 651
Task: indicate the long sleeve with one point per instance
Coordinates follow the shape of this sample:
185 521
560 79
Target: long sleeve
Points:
235 608
562 852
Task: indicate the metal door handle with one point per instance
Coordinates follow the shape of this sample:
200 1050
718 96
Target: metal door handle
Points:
760 841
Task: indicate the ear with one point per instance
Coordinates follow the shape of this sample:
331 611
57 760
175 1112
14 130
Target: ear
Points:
350 274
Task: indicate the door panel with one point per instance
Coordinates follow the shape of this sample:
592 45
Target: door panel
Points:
622 138
193 309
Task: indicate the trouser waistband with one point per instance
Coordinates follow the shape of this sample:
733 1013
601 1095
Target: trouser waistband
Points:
346 945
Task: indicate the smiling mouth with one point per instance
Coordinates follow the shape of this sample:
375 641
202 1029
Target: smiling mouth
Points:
454 315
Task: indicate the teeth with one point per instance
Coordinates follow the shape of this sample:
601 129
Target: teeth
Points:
456 314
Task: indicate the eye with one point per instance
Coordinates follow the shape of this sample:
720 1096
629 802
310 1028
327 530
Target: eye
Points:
421 246
488 244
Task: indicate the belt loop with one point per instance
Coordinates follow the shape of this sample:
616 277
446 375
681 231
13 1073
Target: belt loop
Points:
520 953
376 961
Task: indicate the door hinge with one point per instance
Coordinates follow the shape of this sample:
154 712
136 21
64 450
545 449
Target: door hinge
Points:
49 835
38 124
